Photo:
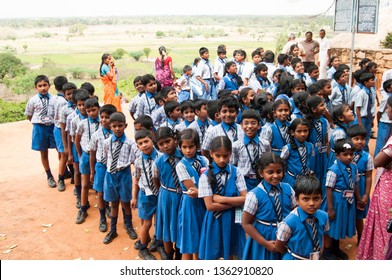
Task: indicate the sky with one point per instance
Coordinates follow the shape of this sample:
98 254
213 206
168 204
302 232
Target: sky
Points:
78 8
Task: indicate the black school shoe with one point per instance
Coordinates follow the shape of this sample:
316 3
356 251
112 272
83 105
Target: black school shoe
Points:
153 245
110 237
162 253
103 226
131 232
145 254
81 217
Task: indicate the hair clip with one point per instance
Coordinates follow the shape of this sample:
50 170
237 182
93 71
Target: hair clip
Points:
347 146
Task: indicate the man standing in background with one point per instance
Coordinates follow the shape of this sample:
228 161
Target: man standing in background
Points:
311 47
324 54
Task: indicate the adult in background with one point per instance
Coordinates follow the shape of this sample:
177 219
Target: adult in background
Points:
324 54
108 73
164 72
311 47
291 41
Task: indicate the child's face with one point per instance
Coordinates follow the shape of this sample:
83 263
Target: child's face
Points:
176 114
228 115
346 157
282 112
343 79
151 86
373 70
68 94
232 69
188 73
256 59
347 116
320 109
189 114
309 203
221 156
359 142
249 97
139 86
276 77
205 55
42 87
222 55
145 145
188 148
336 62
118 128
327 90
80 106
167 145
172 96
295 52
272 174
105 120
92 112
263 73
301 133
137 127
299 68
315 74
320 93
389 112
270 98
298 88
370 83
239 57
202 113
250 127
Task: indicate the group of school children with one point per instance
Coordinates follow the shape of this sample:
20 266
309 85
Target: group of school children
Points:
246 166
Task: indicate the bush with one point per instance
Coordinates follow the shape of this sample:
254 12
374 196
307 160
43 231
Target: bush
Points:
136 55
11 66
77 72
22 84
387 42
12 111
119 53
160 34
42 34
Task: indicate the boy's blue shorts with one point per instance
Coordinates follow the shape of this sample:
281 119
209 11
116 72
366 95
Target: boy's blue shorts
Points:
42 137
74 153
84 163
99 177
146 205
58 139
118 186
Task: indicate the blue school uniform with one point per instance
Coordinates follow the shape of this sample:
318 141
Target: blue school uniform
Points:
339 130
221 237
191 211
361 159
344 223
231 82
168 199
278 138
240 111
320 148
267 220
295 166
300 243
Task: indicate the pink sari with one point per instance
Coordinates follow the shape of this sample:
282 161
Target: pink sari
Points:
163 74
375 238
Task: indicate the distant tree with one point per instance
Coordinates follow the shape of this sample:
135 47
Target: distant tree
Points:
136 55
25 47
118 53
147 52
77 29
160 34
387 42
10 65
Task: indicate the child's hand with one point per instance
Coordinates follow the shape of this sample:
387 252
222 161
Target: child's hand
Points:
133 203
193 192
92 176
270 246
218 198
365 200
70 158
331 214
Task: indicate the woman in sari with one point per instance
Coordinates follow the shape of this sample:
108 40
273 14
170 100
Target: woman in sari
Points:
164 72
375 238
108 73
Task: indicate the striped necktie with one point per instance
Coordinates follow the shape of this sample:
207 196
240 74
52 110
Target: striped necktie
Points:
196 165
234 133
151 184
317 126
219 189
173 163
115 155
343 91
278 208
349 171
106 136
285 133
302 153
312 222
44 101
203 131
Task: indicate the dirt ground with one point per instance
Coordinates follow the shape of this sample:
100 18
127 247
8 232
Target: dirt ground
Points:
38 223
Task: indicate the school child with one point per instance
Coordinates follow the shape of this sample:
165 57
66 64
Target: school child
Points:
223 190
314 74
60 102
326 90
300 235
283 62
98 162
299 153
231 80
315 89
147 105
259 81
342 191
245 100
334 63
250 67
118 180
173 113
239 57
318 135
269 60
192 208
85 129
144 192
188 115
205 75
299 72
384 124
144 122
342 116
341 93
183 84
274 87
202 123
228 111
90 89
137 83
65 111
365 105
357 88
213 114
80 96
247 150
277 133
219 64
167 181
265 206
165 95
40 112
300 110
